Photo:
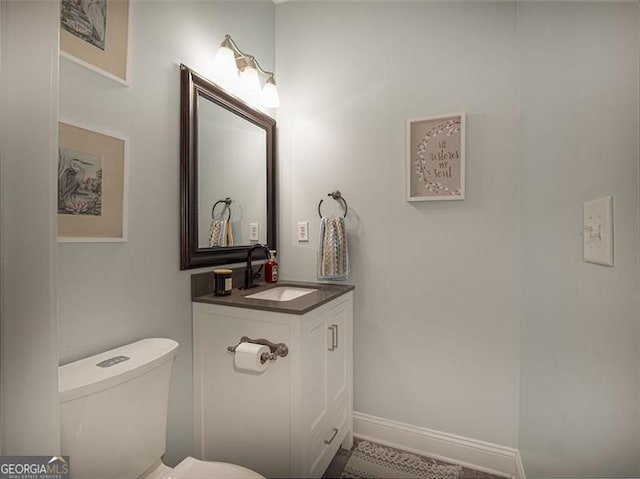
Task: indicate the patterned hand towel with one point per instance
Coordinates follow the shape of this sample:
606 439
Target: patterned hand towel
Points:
333 251
215 233
220 233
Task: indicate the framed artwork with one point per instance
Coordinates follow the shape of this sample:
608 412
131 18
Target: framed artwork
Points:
92 185
95 34
598 231
436 158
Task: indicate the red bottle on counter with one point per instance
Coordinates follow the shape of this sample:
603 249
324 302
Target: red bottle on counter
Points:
271 268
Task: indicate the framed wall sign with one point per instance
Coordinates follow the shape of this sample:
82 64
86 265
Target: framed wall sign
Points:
92 185
436 158
95 34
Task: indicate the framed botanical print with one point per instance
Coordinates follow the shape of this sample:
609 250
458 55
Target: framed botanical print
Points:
92 185
96 34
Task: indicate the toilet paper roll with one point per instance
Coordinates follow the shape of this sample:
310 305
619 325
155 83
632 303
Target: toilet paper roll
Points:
247 357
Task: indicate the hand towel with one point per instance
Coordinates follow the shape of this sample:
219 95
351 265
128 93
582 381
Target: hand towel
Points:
228 234
215 233
220 233
333 251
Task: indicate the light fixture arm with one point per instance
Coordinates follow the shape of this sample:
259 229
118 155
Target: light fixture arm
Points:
229 41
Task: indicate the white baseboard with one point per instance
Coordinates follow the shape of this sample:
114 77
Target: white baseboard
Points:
479 455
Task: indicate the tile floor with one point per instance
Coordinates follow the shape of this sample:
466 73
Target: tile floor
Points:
340 461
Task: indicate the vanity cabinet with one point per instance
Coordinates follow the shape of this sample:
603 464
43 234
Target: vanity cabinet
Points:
290 419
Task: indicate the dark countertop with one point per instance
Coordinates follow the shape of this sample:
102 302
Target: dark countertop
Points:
238 297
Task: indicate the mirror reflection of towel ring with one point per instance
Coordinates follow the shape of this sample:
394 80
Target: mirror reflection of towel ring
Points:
336 195
227 201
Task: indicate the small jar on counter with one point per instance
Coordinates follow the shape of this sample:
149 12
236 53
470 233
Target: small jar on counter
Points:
222 282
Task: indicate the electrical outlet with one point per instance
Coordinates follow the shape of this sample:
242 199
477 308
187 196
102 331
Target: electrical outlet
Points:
254 231
303 231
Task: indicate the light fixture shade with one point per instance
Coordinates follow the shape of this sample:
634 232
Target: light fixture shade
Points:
224 64
270 97
249 80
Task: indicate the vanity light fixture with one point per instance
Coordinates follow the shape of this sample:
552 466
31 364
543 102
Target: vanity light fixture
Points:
249 80
224 64
270 97
230 62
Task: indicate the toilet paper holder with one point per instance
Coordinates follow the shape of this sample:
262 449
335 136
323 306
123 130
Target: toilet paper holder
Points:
277 350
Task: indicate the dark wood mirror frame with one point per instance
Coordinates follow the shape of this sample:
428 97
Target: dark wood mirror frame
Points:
192 85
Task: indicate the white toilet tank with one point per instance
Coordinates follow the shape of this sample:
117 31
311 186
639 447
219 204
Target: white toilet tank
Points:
113 409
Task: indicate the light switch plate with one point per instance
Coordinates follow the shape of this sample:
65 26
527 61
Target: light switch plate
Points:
254 231
598 231
303 231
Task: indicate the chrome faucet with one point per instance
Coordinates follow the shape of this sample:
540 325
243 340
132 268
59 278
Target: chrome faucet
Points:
248 272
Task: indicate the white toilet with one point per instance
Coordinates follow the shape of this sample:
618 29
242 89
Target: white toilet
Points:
113 416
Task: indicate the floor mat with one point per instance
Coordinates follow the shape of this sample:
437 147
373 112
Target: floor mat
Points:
372 461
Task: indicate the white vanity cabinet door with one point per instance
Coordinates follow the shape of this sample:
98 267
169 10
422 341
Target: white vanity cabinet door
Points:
326 345
338 326
289 420
315 343
326 383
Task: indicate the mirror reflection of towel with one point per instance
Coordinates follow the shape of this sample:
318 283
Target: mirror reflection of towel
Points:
220 233
333 251
228 236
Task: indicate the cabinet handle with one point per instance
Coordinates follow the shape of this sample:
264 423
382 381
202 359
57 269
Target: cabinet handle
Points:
335 346
333 337
335 432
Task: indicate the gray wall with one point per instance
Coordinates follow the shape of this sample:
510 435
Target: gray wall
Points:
28 162
437 283
580 401
441 287
112 294
551 95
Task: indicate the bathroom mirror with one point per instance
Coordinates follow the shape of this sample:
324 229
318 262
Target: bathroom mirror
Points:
227 175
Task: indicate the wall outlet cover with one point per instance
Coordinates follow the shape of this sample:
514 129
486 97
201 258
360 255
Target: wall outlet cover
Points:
303 231
598 231
254 231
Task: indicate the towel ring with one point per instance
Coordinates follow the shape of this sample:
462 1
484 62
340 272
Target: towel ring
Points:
227 201
336 195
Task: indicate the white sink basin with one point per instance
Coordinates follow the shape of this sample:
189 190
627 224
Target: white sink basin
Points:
281 293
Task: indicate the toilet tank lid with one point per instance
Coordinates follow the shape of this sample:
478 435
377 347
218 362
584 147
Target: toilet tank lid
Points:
105 370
